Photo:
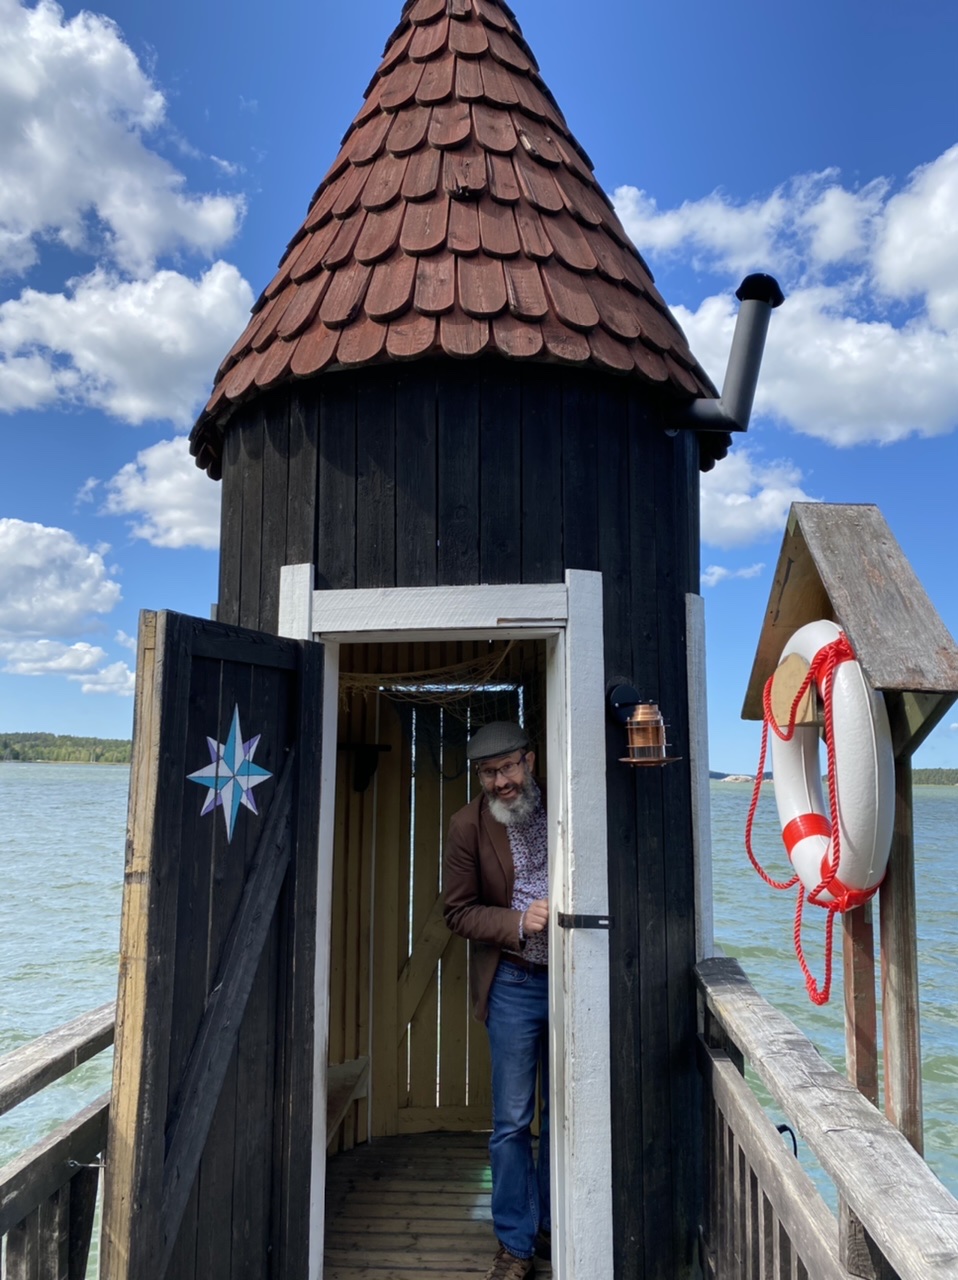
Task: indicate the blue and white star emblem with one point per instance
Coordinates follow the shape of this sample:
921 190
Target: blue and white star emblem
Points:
231 776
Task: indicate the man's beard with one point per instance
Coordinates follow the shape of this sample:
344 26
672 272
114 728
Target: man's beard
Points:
522 807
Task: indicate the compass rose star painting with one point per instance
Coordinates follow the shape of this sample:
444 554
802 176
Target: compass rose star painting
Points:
231 775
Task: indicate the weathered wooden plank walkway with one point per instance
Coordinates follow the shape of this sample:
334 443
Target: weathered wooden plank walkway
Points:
402 1207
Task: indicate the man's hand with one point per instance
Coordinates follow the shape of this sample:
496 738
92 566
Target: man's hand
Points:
536 916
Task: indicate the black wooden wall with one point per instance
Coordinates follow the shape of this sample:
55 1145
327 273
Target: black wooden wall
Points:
425 474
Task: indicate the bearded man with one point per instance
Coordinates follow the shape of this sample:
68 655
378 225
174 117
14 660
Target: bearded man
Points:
495 887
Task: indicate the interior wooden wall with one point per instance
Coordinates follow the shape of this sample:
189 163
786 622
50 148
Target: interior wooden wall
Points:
429 1057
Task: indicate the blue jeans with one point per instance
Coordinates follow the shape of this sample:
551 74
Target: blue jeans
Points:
518 1026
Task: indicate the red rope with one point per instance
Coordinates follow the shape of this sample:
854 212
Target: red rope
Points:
822 671
756 791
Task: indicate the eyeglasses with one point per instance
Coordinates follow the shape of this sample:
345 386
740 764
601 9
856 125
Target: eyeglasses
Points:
509 771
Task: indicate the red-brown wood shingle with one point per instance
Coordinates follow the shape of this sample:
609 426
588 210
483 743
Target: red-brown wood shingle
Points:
435 285
460 217
463 232
391 287
464 174
437 81
497 229
468 39
422 174
482 286
408 131
303 307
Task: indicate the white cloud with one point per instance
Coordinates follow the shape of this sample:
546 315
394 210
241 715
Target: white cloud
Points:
228 167
83 124
866 347
917 250
81 663
716 573
50 584
806 224
128 642
711 231
138 349
744 500
77 111
173 503
840 223
49 657
117 678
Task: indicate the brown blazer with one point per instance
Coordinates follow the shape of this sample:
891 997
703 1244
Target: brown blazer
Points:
478 876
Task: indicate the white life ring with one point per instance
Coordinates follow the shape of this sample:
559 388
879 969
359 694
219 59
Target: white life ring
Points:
865 782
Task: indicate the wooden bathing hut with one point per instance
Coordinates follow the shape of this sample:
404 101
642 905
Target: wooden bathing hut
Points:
461 408
459 443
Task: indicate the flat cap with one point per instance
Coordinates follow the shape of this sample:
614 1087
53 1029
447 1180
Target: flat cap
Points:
496 739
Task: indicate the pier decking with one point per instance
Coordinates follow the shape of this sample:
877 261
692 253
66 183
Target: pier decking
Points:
406 1206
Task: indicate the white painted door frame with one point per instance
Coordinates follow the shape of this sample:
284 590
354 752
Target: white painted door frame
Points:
568 616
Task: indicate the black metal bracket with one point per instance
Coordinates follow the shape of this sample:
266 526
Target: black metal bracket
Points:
622 698
567 921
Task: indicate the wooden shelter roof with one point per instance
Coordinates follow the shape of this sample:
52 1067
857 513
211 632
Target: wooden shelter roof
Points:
841 561
460 217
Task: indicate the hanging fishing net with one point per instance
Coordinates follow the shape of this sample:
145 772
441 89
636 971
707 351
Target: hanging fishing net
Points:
441 705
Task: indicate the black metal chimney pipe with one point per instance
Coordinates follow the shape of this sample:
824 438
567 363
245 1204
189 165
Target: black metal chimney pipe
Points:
759 294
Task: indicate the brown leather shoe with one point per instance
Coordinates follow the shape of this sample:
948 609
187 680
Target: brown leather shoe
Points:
506 1266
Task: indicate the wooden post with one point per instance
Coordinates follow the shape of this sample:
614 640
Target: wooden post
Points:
861 1025
901 1034
857 1251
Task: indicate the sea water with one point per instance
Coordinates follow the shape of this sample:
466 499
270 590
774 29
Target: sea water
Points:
62 832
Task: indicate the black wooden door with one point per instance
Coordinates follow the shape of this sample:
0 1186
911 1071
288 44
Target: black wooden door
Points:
211 1116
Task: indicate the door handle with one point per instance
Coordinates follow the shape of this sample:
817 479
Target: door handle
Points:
567 921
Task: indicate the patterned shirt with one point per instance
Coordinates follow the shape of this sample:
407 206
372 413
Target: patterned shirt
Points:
529 842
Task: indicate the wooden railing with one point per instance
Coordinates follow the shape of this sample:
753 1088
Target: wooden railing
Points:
765 1218
48 1192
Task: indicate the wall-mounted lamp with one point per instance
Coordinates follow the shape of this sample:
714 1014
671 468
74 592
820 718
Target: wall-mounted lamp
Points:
644 727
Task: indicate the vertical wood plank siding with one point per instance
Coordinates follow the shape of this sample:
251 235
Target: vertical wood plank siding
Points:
416 480
489 472
499 491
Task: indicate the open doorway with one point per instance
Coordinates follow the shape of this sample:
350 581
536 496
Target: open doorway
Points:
398 979
563 621
399 990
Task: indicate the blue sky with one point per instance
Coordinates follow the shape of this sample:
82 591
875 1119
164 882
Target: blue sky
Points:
161 157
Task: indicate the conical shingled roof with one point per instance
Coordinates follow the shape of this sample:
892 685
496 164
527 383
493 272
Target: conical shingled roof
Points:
460 217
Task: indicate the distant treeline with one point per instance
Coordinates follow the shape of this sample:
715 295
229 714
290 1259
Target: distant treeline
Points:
920 777
56 747
60 748
935 777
